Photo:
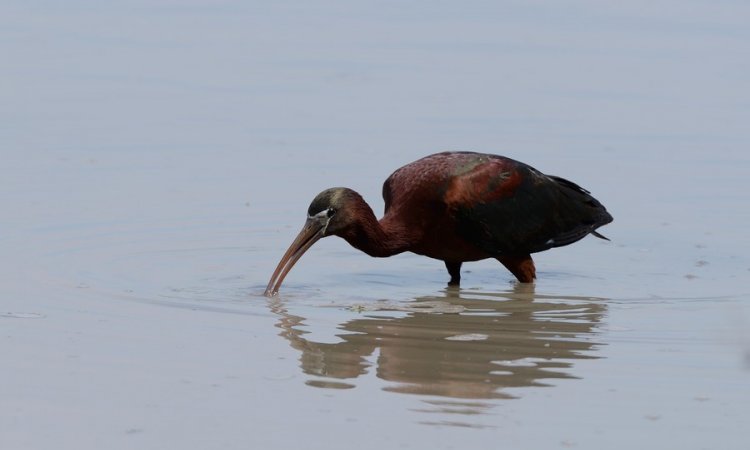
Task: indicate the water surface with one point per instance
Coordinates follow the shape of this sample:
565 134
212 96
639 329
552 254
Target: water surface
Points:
158 158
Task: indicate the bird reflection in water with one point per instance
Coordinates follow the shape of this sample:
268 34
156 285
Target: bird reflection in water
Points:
498 341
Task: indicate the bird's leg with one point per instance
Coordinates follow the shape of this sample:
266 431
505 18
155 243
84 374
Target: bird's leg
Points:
522 266
454 269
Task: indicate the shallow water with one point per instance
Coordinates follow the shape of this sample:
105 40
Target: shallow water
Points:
158 158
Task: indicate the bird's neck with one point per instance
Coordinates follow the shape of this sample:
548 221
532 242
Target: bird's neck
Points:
376 238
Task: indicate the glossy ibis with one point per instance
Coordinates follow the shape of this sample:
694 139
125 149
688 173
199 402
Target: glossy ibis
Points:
456 207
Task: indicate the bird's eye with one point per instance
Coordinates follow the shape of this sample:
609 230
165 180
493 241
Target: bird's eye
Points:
330 212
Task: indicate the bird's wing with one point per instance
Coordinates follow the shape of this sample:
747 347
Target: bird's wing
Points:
507 207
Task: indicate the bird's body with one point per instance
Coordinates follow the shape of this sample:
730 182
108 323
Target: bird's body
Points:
457 207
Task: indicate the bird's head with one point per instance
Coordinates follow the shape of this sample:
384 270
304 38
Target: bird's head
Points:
331 212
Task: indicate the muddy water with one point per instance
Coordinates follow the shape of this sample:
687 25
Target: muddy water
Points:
157 159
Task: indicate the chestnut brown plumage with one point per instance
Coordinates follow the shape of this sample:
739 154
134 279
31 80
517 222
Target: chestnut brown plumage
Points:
456 207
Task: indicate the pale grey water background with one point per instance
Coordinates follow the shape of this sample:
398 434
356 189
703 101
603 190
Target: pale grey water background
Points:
158 157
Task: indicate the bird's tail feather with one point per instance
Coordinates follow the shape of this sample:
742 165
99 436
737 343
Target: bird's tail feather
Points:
600 236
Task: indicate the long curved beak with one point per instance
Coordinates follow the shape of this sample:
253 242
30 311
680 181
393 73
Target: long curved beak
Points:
312 231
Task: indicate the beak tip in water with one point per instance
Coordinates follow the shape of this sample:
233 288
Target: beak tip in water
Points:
311 232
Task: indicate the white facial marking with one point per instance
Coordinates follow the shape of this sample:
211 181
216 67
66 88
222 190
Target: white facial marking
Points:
321 215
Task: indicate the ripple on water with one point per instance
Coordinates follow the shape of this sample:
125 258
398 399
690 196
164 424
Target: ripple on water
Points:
22 315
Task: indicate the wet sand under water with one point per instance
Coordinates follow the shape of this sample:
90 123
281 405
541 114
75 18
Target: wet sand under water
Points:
147 198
